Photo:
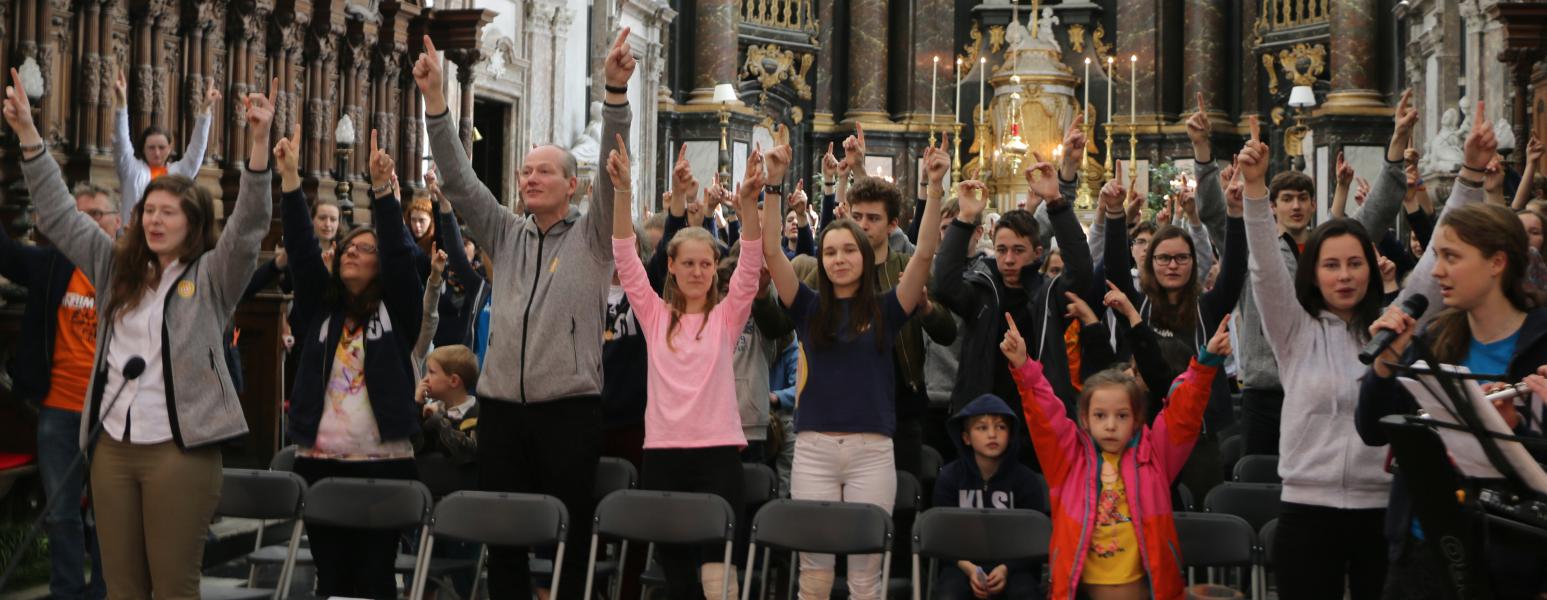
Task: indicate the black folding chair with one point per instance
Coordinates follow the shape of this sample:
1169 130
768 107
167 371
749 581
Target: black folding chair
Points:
375 504
1265 543
1230 451
656 517
905 506
1257 468
932 462
823 527
496 518
261 495
759 485
992 536
1258 503
612 474
284 461
1215 540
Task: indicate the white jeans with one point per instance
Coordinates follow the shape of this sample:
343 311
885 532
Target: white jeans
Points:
857 467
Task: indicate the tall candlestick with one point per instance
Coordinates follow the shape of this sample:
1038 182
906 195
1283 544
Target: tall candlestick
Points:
1133 89
934 84
983 89
956 108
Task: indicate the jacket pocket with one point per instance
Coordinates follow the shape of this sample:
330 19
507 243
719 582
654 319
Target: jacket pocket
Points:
574 345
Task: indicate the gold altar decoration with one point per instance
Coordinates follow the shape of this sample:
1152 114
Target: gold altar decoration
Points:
995 39
1267 65
1098 41
1032 102
1077 38
969 61
1315 57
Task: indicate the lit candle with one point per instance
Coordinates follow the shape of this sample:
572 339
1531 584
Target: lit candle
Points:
934 83
956 108
1111 83
983 88
1133 89
1058 153
1086 98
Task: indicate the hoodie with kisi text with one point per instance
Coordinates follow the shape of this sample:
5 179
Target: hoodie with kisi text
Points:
1013 485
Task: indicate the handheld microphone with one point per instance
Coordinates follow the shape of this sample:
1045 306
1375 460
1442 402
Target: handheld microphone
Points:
133 368
1414 306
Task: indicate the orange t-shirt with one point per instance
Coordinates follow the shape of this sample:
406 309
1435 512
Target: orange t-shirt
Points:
75 345
156 172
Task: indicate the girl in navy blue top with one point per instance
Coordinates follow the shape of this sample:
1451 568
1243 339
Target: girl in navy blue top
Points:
845 413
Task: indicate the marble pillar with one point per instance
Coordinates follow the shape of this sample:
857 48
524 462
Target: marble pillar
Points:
1353 25
544 92
647 19
714 48
826 63
1251 69
1138 34
1206 41
932 37
868 20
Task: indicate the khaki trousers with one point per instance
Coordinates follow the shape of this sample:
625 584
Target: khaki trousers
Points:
153 504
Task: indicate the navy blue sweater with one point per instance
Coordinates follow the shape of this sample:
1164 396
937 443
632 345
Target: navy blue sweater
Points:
46 273
318 324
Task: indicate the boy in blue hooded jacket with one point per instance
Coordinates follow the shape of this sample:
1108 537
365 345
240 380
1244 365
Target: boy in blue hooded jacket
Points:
986 475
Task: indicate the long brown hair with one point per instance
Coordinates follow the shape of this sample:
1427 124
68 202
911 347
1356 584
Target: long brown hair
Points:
135 267
1308 289
359 307
1491 229
673 295
864 310
1180 316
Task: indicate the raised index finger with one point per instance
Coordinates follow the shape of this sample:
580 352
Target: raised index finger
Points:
374 147
1256 129
429 47
622 39
273 88
1199 96
1011 322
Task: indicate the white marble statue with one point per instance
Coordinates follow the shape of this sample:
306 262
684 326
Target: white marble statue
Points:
1443 153
1045 26
587 147
1505 133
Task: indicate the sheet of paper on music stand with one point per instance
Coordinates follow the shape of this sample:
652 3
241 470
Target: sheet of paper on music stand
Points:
1463 447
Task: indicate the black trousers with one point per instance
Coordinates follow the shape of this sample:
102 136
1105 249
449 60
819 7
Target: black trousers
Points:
354 563
541 448
1260 410
908 445
715 471
1319 550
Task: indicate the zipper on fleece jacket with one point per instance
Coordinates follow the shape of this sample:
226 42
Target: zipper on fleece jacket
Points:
526 315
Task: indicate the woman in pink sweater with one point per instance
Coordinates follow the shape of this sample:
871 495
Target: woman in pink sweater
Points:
692 423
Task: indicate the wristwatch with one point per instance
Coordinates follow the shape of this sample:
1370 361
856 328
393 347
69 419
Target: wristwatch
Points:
773 190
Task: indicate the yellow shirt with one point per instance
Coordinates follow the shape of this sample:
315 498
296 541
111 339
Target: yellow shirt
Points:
1114 549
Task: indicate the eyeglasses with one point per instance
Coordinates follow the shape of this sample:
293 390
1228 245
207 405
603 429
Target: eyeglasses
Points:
1167 259
360 247
1139 242
97 214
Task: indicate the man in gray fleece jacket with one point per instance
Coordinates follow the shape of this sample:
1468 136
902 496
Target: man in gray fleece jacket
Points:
539 430
1292 196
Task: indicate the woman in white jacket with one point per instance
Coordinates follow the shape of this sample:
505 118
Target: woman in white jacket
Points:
136 172
1330 528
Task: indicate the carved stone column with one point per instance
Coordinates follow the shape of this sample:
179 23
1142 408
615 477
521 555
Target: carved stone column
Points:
1138 34
545 56
868 21
714 47
465 59
1353 26
824 103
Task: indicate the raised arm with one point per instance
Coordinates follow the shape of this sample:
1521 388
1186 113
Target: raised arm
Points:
622 194
1181 421
1534 153
198 141
1480 146
430 320
1345 178
1211 197
1222 298
632 277
402 286
952 259
1118 259
779 268
488 220
449 233
130 168
1054 436
617 68
910 288
1379 212
1079 269
1272 287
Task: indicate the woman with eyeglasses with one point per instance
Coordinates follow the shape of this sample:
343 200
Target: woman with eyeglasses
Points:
352 409
1171 301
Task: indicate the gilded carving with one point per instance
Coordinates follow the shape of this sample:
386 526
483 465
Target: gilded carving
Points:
1098 40
1277 115
1267 65
970 59
802 89
1313 55
1077 38
995 39
772 65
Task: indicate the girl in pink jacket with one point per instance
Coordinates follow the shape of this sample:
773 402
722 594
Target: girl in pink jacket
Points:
1109 477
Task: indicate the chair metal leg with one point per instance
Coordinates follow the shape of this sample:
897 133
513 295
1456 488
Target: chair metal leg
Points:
558 566
886 573
257 544
421 565
794 569
762 590
590 571
729 572
615 584
746 586
644 590
934 565
287 569
483 556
